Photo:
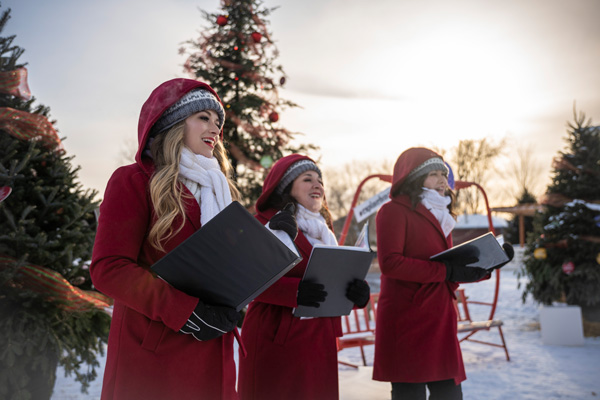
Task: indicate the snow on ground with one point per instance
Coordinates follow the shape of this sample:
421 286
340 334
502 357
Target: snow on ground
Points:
535 371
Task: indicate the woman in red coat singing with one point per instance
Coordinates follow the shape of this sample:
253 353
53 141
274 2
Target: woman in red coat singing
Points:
164 344
416 344
291 358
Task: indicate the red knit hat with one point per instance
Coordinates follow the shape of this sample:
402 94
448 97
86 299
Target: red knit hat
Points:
415 162
275 176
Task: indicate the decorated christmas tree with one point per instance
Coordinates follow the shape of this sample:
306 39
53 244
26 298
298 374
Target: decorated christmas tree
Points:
236 55
49 314
562 258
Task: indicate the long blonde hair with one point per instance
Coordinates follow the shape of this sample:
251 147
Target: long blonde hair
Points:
166 192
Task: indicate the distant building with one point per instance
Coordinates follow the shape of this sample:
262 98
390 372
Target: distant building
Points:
469 226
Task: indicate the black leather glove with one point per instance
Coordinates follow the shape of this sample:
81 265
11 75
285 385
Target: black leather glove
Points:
209 322
358 292
510 252
457 271
310 294
285 221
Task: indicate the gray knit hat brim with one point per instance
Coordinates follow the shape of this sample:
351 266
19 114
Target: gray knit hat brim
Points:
192 102
294 171
433 164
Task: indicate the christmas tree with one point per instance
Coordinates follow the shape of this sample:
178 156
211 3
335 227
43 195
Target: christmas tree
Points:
562 256
49 314
236 55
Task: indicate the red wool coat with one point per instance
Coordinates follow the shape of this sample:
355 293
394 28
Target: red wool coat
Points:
416 322
147 357
288 358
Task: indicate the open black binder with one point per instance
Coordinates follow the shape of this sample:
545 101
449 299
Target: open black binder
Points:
335 267
485 247
228 261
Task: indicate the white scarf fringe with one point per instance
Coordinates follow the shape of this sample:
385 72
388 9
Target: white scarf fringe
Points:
438 206
205 180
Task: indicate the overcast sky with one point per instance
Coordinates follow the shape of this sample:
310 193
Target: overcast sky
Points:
373 77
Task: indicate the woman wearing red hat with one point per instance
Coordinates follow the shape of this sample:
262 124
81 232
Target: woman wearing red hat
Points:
416 346
163 343
292 358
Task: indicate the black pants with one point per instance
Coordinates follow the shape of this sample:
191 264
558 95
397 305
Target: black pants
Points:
438 390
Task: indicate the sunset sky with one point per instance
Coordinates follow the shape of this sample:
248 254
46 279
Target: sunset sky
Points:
372 77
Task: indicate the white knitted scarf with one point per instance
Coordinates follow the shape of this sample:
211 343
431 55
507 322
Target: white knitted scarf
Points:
205 180
438 206
314 227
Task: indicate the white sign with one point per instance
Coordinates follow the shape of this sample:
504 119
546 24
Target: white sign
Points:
364 210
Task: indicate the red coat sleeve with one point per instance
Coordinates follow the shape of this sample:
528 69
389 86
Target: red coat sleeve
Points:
281 293
395 231
117 269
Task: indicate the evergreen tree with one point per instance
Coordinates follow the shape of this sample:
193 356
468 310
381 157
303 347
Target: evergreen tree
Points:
511 232
563 251
49 314
236 56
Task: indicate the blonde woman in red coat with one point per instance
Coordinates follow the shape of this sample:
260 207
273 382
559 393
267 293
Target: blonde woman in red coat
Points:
287 357
164 344
416 344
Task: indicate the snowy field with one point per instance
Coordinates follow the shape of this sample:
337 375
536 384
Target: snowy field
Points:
535 371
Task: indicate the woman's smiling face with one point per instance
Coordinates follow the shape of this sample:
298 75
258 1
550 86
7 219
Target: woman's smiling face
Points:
308 190
437 180
201 132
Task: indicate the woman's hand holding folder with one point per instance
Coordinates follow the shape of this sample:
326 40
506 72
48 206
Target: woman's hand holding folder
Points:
457 270
210 322
359 293
310 294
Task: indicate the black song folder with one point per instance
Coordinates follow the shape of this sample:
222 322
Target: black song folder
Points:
228 261
335 267
485 247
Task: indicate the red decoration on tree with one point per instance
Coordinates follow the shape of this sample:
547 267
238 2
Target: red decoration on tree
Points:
57 287
256 36
15 83
4 192
221 20
27 126
568 267
282 81
274 117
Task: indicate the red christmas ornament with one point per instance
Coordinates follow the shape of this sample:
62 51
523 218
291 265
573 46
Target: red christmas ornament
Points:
274 117
568 267
282 81
221 20
256 36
